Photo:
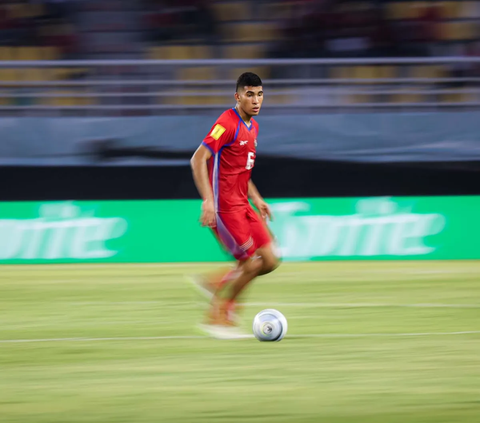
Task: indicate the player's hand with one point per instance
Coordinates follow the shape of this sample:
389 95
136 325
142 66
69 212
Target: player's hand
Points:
263 209
208 217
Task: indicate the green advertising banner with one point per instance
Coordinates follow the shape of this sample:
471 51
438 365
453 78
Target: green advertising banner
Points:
378 228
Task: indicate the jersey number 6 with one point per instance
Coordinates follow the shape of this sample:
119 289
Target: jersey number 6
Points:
250 160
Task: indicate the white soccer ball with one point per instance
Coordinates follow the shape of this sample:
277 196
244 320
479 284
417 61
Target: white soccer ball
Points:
269 325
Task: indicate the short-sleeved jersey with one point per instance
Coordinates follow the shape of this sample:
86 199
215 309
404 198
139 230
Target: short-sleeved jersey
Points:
233 145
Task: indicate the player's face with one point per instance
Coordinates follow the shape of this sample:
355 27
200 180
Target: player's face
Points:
250 99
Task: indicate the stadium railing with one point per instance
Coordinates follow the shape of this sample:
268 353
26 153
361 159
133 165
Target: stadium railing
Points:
146 87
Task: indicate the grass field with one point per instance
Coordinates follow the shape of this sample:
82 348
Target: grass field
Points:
368 343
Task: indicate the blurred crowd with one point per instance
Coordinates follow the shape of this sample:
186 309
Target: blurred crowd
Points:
39 23
335 28
303 28
170 20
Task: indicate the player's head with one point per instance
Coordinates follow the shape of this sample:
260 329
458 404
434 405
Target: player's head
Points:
249 93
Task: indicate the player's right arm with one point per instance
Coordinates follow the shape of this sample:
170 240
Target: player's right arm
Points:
221 134
202 182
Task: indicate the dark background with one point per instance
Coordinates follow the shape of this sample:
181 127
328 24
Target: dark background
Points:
274 178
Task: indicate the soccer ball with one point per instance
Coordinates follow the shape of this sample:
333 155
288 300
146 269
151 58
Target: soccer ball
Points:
269 325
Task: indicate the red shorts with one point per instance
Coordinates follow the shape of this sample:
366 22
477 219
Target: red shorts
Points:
242 232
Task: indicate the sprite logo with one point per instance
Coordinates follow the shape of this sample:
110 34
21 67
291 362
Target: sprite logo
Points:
61 231
378 227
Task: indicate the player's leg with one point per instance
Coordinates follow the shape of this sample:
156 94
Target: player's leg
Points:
233 232
215 281
270 260
265 243
224 303
262 258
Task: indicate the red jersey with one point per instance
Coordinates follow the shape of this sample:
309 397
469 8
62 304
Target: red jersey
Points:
233 145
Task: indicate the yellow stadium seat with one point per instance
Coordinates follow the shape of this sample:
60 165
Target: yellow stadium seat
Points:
212 100
6 53
49 53
405 9
197 73
364 72
456 31
10 74
249 32
248 51
427 71
408 97
67 99
179 52
185 98
27 53
262 71
450 9
231 11
201 52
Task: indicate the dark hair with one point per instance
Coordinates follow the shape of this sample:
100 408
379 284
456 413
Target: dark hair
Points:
248 79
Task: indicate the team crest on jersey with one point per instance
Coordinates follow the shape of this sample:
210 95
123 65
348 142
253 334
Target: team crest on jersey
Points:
217 132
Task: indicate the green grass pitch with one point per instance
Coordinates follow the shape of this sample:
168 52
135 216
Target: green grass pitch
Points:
368 342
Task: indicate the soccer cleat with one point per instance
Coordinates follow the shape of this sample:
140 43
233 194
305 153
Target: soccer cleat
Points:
222 313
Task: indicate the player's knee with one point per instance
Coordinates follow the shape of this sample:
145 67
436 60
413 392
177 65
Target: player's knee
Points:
269 265
254 265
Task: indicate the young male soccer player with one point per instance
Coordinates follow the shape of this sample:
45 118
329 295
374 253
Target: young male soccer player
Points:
222 167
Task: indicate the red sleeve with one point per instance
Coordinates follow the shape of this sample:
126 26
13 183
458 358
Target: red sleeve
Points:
221 133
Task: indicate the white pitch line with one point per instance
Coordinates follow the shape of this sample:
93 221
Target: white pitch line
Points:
361 305
312 305
191 337
126 338
383 335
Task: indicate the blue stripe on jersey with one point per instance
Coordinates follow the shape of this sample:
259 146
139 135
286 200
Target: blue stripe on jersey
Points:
238 114
210 148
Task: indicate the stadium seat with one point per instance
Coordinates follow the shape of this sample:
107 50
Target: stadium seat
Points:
249 32
6 53
9 74
456 97
427 71
262 71
68 99
243 51
197 73
27 53
398 10
363 72
179 52
454 31
185 98
408 97
231 11
49 53
450 9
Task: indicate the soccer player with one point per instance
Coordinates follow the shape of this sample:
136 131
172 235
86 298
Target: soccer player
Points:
222 167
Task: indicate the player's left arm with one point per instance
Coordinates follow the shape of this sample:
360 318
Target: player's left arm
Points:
258 201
